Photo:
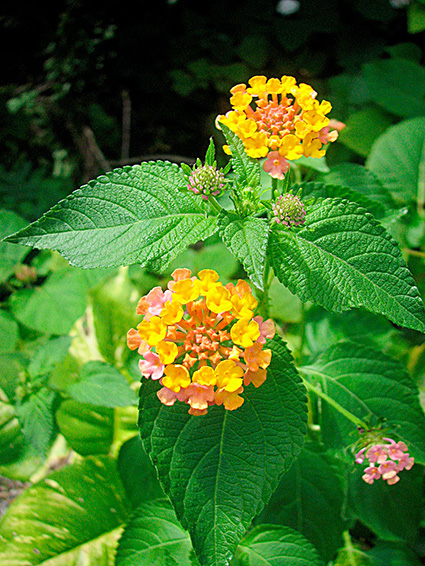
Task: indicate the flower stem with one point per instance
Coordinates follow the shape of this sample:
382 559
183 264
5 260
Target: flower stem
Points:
310 387
275 192
214 204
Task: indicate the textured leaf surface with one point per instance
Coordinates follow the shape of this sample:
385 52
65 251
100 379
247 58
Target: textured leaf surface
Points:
398 159
52 523
312 488
270 545
247 239
343 258
48 355
366 382
220 469
246 168
102 384
36 418
395 554
154 536
131 215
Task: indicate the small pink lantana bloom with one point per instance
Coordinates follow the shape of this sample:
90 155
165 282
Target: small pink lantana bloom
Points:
276 165
151 366
385 461
371 474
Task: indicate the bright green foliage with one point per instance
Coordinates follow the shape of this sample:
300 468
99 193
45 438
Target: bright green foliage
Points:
103 385
363 128
53 520
36 417
220 469
398 159
312 488
132 215
367 383
247 239
271 545
48 356
9 333
363 265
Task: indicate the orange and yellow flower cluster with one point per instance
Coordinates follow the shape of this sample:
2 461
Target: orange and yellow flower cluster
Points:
202 341
286 121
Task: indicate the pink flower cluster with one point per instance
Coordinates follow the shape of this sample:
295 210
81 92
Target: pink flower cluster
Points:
385 460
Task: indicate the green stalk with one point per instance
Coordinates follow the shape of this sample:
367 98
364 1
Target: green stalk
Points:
214 204
358 422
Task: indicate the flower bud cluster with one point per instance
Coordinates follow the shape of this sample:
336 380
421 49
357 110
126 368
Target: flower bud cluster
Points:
385 461
289 210
206 180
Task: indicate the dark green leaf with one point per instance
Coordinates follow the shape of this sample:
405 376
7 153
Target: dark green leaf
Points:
247 239
398 159
386 553
73 516
270 545
246 168
312 488
10 432
131 215
342 258
368 383
10 256
363 128
103 385
154 537
221 468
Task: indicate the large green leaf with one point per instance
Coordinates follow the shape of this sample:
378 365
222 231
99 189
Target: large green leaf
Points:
154 537
73 516
363 128
10 256
53 307
131 215
87 429
398 85
366 383
398 159
103 385
9 332
10 432
386 553
342 258
220 469
35 414
312 488
48 355
270 545
247 239
246 168
393 512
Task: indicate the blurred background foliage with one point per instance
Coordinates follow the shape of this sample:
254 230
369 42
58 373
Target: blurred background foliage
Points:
87 87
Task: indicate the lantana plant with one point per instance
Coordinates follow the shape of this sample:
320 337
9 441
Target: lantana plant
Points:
224 407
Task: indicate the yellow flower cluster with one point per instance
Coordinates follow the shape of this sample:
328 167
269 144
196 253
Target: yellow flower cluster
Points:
278 116
202 341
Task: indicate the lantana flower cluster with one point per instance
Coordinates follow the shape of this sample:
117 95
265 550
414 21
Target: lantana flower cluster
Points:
385 461
289 210
281 120
201 340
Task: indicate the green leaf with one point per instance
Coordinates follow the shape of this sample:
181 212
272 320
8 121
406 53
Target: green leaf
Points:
48 356
271 545
366 382
284 305
386 553
35 414
246 168
53 307
87 429
137 473
221 468
363 181
247 239
415 18
10 256
312 488
362 129
9 332
10 433
131 215
393 514
154 536
342 258
398 159
352 555
317 164
210 155
73 516
398 85
103 385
